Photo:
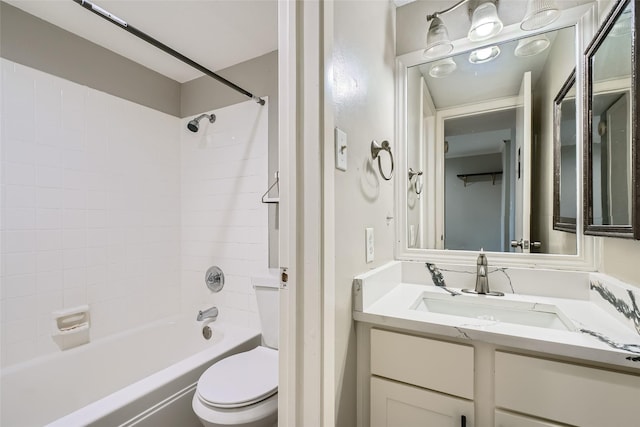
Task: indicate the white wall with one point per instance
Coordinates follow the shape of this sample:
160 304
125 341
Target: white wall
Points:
224 174
90 210
559 65
619 256
363 99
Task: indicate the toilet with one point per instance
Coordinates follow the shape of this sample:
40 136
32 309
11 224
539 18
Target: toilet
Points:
242 390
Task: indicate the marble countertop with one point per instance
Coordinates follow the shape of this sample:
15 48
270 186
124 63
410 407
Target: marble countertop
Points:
596 335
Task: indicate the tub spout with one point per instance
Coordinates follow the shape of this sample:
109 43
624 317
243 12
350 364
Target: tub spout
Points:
210 313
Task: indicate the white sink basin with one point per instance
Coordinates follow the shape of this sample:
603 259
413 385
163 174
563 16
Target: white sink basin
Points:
495 309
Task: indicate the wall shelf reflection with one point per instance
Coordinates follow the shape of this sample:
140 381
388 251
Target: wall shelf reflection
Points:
482 176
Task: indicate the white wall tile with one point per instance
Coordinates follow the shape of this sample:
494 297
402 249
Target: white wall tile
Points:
49 198
80 186
224 174
49 261
47 240
18 241
19 174
19 218
48 219
19 263
49 177
18 286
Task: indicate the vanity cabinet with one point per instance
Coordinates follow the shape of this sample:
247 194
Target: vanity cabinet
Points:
420 381
412 380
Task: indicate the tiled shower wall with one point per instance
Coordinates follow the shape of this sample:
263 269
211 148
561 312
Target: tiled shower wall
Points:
118 206
224 223
90 210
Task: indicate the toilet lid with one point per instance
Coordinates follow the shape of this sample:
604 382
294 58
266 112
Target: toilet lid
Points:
241 379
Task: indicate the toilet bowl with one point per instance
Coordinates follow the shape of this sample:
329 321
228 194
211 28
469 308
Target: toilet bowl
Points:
240 390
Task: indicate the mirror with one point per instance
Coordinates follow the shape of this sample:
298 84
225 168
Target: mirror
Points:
612 162
565 157
481 133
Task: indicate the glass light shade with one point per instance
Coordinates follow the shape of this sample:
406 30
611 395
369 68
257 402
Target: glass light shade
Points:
532 46
443 68
540 13
486 54
437 42
485 22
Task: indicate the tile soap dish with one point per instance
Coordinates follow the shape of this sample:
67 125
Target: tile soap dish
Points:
71 327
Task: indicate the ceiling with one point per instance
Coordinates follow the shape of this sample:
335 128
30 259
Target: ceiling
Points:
215 33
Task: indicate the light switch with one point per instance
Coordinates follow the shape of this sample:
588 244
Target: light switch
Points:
341 150
369 244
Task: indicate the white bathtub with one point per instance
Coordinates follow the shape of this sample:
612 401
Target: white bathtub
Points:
145 377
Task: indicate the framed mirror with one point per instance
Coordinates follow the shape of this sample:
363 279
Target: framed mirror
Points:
466 178
612 163
565 155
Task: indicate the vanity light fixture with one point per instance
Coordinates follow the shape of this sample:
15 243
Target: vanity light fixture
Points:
486 54
540 13
485 24
442 68
532 45
437 42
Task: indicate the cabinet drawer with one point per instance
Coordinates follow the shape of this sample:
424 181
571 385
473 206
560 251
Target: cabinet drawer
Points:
432 364
506 419
566 393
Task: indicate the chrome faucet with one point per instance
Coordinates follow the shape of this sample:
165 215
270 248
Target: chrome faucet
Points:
210 313
482 278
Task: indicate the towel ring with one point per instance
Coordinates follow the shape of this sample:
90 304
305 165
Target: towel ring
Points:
375 153
416 175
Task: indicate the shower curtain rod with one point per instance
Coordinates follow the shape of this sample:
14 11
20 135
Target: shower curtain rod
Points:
125 26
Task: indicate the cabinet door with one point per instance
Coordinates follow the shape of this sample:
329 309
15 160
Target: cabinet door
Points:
506 419
400 405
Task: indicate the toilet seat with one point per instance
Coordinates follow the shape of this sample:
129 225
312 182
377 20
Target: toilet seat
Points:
240 380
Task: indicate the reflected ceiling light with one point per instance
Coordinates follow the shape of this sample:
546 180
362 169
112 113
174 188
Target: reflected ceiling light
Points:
532 45
485 22
540 13
442 68
483 55
437 42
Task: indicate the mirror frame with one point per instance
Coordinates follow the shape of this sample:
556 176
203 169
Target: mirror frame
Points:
631 231
561 223
584 19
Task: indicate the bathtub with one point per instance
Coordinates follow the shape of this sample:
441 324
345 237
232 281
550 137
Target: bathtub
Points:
144 377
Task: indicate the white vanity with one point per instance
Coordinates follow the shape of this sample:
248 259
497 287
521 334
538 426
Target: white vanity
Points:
561 348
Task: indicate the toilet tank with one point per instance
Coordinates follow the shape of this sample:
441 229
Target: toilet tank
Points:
268 298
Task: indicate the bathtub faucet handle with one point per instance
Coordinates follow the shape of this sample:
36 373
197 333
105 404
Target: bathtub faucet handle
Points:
210 313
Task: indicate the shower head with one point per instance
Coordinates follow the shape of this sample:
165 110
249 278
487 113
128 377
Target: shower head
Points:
194 124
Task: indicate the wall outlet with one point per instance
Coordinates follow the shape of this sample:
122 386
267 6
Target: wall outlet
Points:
341 150
369 245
